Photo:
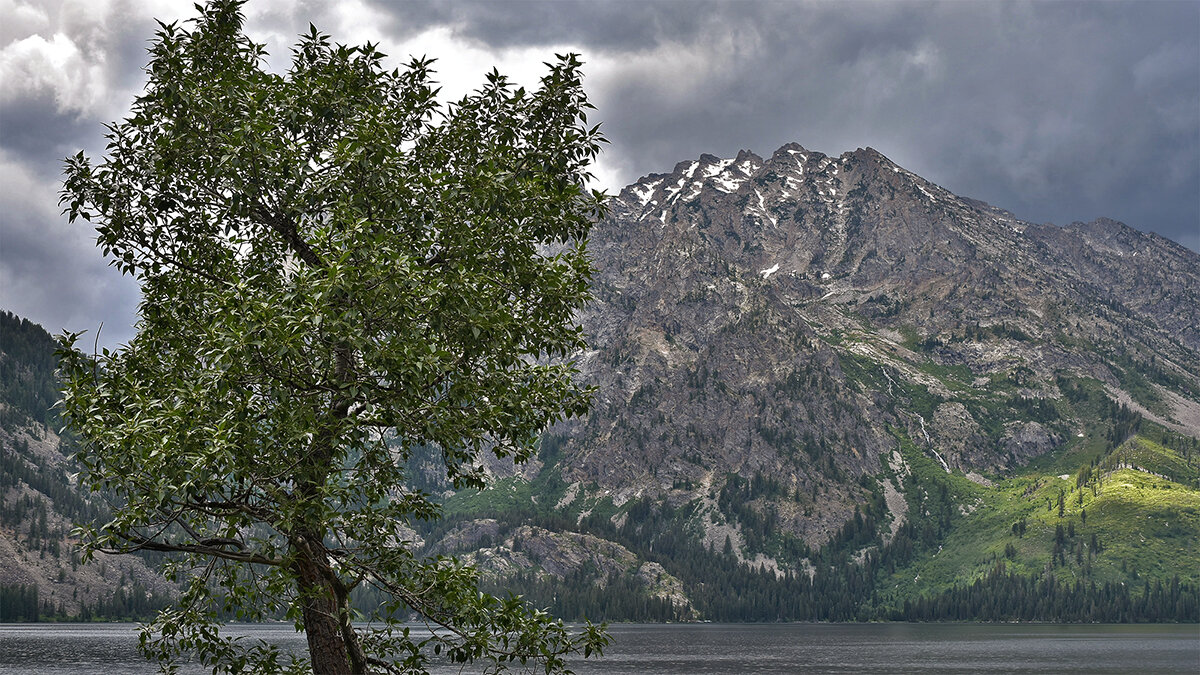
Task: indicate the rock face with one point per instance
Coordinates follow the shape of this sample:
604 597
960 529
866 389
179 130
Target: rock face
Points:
1026 440
960 439
499 553
790 316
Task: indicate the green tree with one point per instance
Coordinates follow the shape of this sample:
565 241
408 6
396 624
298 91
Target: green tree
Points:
336 270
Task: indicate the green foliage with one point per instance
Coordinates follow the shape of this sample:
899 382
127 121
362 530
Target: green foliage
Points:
1151 457
1005 596
576 597
1138 385
860 369
1149 527
337 273
751 505
953 376
127 603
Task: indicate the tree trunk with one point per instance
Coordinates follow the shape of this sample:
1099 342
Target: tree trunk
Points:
332 644
326 643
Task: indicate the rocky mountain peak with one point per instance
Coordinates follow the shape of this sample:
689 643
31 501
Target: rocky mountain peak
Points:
728 289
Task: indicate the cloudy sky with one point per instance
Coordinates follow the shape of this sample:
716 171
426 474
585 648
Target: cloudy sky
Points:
1057 111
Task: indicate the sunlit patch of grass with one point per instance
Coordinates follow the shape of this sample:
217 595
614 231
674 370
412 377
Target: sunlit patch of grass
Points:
1149 524
1157 459
1128 526
508 495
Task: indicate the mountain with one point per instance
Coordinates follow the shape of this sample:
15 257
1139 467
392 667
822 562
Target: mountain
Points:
743 301
40 569
826 389
808 360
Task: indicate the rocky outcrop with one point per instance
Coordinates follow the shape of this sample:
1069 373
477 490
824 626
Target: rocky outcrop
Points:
1025 440
500 554
961 440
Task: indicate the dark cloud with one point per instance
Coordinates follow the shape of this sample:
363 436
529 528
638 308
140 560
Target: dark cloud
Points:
1057 111
45 132
599 27
50 271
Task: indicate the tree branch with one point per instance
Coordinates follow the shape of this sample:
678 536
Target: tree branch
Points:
143 544
286 228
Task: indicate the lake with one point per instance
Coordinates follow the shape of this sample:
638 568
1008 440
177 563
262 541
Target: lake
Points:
711 649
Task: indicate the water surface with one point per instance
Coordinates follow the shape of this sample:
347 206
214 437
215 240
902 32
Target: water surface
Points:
717 649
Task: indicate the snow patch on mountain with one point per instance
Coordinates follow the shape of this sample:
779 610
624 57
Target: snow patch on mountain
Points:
646 192
717 169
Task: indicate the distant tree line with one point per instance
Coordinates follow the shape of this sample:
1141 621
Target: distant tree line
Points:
576 597
1004 596
19 603
129 602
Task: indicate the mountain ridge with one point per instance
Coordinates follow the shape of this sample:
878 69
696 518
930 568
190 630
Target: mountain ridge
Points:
860 275
828 389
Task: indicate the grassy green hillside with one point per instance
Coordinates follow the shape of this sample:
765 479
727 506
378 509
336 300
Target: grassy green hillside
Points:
1128 516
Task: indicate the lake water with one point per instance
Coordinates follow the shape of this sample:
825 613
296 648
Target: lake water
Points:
711 649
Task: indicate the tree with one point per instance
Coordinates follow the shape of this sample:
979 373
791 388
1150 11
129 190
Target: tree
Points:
337 271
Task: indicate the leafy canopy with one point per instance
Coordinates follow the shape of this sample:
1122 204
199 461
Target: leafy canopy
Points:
337 271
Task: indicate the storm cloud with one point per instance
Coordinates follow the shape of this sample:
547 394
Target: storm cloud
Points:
1057 111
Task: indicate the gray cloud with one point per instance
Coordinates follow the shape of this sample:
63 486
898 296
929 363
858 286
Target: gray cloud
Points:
1057 111
600 27
45 130
50 271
